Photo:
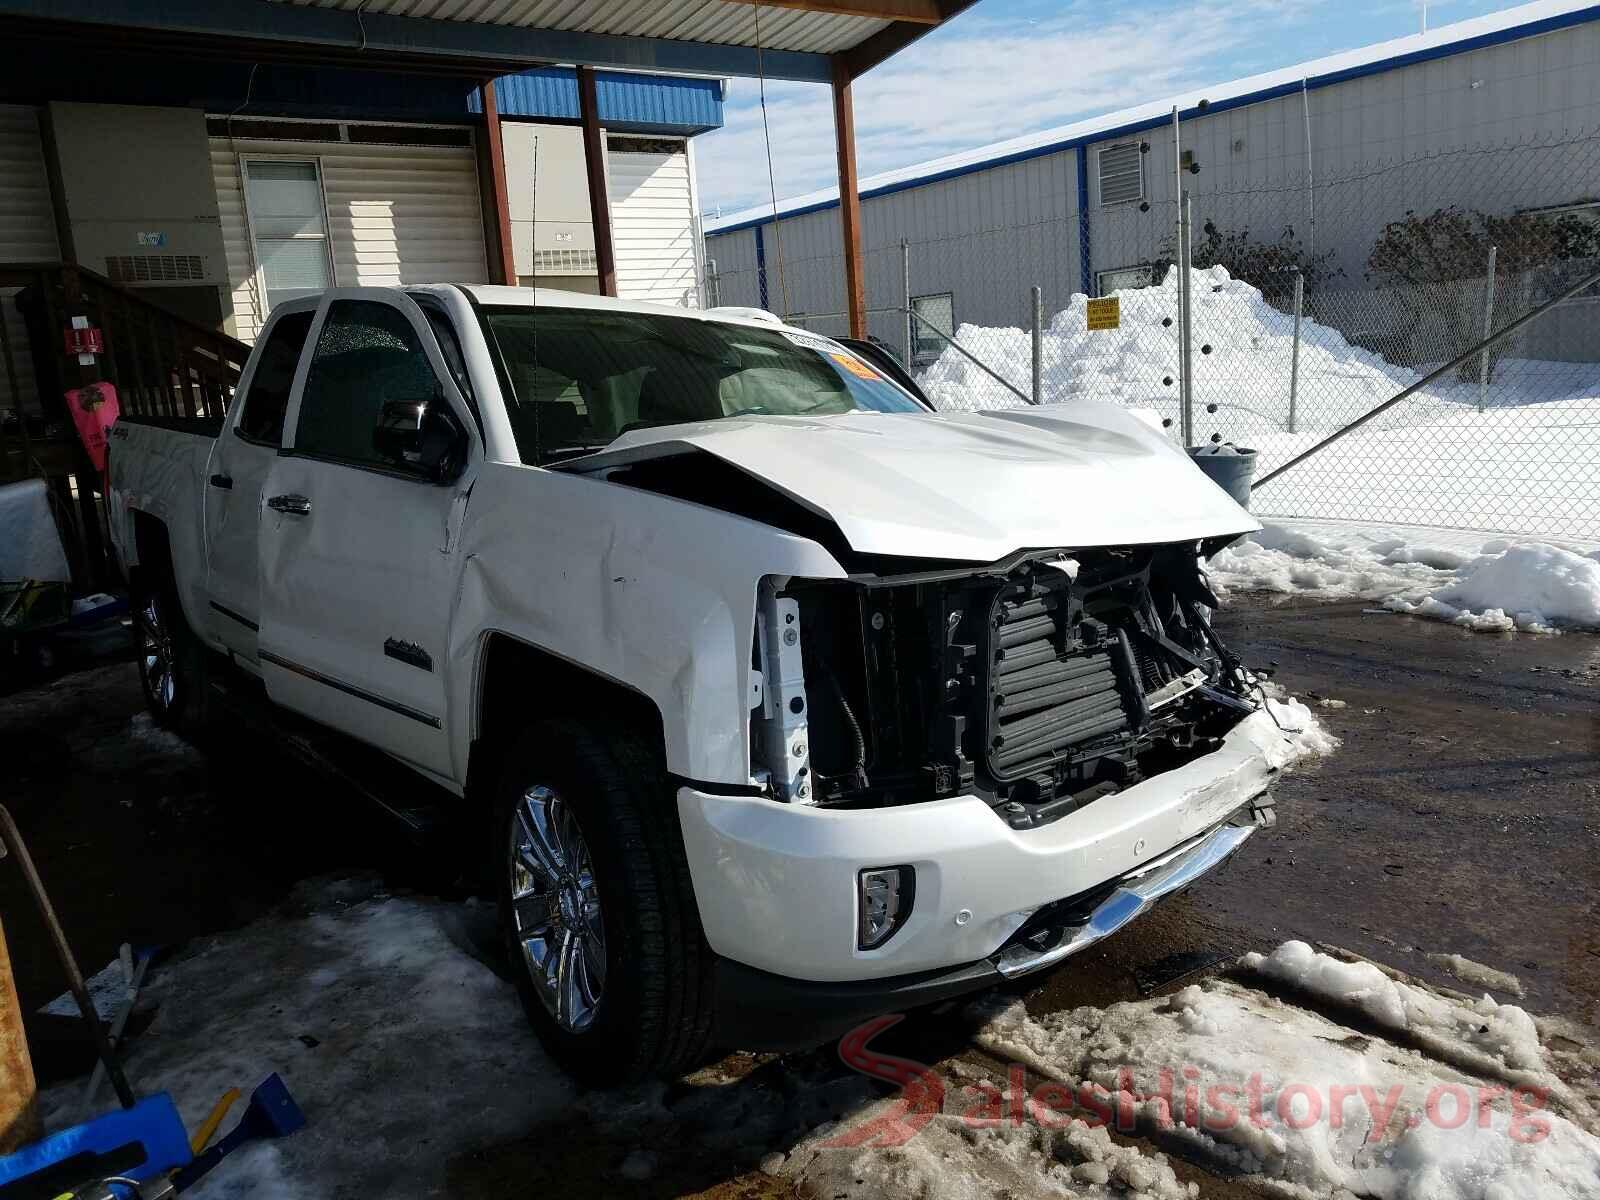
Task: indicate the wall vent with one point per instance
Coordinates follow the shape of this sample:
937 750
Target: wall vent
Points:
1121 173
564 262
154 268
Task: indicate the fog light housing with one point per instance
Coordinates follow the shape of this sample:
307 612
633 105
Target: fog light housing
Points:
883 902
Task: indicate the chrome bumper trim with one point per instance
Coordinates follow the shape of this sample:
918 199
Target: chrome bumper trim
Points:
1139 890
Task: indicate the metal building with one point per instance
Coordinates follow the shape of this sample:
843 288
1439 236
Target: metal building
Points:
1089 207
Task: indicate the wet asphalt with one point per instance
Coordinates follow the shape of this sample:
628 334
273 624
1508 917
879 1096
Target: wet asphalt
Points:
1461 814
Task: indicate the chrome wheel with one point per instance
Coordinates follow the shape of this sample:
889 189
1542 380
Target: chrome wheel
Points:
555 908
156 660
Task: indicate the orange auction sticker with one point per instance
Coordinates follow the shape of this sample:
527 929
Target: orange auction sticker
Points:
854 365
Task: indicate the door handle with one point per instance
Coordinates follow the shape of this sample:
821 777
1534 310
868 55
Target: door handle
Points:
295 506
225 482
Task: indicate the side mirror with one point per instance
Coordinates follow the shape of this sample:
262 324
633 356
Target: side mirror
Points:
423 437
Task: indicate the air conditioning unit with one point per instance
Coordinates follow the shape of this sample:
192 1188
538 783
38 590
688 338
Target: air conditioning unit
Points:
548 190
140 200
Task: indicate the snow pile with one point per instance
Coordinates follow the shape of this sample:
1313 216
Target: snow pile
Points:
401 1046
1136 364
1251 1083
1494 1038
963 1153
1532 587
1304 736
1504 585
1449 455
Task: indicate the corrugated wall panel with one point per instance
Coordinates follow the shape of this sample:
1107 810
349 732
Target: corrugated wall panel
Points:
652 224
627 101
1253 159
27 234
396 215
27 220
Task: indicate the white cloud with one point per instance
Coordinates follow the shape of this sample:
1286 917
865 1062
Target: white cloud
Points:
980 81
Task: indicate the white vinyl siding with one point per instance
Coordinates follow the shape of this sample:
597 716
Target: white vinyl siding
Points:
395 215
27 234
652 224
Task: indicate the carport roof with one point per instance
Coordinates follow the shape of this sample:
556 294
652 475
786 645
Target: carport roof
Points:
781 39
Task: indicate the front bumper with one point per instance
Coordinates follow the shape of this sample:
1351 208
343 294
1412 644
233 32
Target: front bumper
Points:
761 1011
776 883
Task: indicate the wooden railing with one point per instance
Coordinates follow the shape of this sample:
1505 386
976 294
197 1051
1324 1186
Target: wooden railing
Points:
161 364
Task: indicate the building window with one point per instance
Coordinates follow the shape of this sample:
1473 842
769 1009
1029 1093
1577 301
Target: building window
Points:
1121 174
288 228
1122 278
939 312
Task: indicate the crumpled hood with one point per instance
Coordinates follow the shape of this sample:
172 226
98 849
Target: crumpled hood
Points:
969 486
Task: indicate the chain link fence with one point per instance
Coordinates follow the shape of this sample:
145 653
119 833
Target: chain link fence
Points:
1310 305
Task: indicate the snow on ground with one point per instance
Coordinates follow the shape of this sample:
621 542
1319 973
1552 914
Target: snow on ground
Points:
1136 364
1478 974
1500 584
1305 735
1495 1040
958 1157
1527 463
400 1045
1252 1082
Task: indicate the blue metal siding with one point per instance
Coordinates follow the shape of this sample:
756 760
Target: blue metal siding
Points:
628 103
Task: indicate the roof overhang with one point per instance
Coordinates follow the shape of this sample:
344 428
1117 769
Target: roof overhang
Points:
798 39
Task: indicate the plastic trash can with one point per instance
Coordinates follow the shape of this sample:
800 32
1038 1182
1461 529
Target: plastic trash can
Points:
1228 466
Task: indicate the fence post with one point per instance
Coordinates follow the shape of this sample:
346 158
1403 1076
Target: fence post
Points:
1038 344
1488 328
905 298
1294 353
1185 330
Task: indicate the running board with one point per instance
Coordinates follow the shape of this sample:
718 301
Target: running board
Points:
422 808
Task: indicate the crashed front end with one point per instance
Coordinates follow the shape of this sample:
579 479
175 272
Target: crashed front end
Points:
1042 684
967 775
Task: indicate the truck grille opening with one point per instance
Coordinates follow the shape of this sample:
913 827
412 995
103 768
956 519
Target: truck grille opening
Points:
1042 684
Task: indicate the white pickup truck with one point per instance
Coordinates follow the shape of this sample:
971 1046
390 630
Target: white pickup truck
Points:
790 700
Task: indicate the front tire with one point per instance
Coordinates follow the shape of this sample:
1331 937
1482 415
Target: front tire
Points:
596 905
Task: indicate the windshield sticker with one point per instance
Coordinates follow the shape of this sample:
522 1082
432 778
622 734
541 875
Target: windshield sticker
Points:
811 341
855 366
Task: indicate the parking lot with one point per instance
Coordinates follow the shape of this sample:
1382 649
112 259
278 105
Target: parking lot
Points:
1461 815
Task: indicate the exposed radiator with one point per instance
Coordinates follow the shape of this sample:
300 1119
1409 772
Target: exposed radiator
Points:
1053 679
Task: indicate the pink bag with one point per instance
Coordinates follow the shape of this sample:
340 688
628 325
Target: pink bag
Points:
94 411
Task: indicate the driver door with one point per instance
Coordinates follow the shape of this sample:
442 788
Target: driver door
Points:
359 545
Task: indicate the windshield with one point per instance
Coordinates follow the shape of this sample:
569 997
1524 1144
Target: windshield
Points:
581 377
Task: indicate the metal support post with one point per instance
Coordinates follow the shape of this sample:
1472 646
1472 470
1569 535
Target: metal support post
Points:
1185 326
1294 353
1038 344
905 299
1488 327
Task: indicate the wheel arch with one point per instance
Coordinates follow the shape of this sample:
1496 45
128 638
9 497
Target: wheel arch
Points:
519 682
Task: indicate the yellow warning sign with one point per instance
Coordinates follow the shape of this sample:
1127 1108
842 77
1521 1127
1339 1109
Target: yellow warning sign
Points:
1105 313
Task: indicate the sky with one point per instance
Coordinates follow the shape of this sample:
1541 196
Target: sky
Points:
1010 67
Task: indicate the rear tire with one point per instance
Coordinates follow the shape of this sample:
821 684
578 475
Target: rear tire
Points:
174 665
591 876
